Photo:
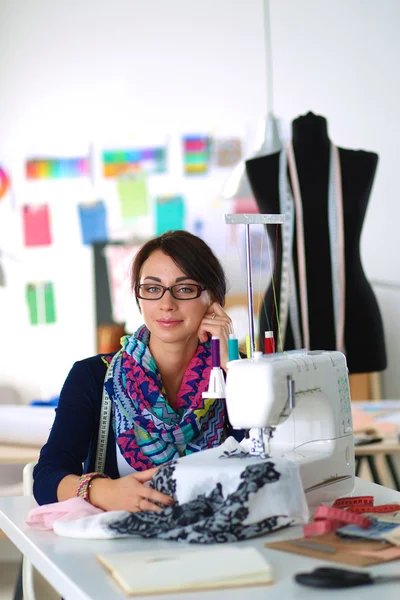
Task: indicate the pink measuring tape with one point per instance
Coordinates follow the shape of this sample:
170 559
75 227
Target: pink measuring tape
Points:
343 512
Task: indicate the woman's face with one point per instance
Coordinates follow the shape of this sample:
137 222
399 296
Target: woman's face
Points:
169 319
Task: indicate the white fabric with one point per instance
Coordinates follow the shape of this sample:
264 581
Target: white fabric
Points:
198 473
276 492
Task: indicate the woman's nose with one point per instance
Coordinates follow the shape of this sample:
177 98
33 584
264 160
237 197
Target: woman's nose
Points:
168 301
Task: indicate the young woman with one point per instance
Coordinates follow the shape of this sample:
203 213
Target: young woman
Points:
154 382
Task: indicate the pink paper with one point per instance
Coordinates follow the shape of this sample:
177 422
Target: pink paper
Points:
36 220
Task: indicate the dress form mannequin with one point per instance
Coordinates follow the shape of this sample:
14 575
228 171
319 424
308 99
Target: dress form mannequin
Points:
363 329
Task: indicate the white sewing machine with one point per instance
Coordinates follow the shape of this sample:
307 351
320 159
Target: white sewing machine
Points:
297 405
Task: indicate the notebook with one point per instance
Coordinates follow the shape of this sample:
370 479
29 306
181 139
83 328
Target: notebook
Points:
185 569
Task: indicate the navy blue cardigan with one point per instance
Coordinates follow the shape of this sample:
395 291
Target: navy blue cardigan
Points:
73 437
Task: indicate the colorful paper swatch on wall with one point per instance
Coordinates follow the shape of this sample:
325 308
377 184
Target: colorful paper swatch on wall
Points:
93 221
41 303
133 198
139 160
4 183
57 168
196 154
228 152
170 213
36 224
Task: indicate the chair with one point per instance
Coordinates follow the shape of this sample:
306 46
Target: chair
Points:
28 588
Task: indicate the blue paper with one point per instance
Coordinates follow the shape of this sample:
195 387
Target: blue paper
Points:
93 222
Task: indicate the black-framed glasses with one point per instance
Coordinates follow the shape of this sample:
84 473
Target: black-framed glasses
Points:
179 291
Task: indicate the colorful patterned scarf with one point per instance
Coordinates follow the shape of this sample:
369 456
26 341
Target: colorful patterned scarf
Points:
147 430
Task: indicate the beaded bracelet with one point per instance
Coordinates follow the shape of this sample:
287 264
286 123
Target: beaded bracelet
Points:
84 483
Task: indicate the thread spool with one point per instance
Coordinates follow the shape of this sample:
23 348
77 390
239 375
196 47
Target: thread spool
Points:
215 352
233 347
248 349
269 342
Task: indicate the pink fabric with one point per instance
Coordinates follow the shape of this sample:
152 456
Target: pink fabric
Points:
44 516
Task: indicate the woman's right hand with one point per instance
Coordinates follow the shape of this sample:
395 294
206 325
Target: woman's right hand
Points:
128 493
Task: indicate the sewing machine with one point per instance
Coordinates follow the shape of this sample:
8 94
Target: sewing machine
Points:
297 405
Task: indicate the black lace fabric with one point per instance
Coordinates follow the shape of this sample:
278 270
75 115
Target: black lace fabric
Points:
209 518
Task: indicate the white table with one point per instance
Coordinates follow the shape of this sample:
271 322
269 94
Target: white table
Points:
71 567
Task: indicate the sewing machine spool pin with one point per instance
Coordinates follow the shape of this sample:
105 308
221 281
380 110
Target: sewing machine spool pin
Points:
247 220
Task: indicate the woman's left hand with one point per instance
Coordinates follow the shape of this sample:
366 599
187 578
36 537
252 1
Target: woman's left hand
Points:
217 323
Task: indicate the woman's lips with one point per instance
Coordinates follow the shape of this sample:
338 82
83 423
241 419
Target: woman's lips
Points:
168 323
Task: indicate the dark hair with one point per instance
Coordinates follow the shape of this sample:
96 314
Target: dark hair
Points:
192 255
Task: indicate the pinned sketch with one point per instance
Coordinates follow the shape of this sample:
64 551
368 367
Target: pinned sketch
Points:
4 182
196 154
227 152
170 213
133 197
41 303
93 222
119 260
134 160
57 168
36 224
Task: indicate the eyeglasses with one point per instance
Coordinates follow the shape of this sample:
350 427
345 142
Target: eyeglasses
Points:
179 291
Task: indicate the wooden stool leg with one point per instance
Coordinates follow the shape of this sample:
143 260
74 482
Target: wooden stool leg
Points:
374 470
393 472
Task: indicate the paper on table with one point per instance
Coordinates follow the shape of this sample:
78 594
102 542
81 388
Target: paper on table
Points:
393 536
330 547
177 570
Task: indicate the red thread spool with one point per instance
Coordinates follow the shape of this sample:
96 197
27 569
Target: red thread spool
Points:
269 342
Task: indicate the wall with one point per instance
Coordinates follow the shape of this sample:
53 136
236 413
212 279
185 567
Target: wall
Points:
82 70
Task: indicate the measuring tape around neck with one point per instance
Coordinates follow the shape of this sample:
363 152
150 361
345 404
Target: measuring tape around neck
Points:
105 417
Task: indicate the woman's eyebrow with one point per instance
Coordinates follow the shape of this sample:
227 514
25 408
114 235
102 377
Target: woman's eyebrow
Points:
177 280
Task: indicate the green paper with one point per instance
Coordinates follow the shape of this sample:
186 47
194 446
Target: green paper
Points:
49 304
32 303
132 192
41 305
